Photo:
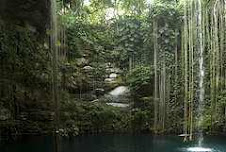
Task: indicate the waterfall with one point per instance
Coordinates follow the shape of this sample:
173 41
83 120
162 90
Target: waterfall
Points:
194 40
119 91
119 95
201 74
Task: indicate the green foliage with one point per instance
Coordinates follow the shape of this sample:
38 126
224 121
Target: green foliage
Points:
141 121
220 122
25 61
140 79
93 118
82 117
134 7
25 81
129 40
94 44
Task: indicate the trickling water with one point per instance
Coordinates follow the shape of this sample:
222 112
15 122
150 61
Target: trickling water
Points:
201 75
118 95
119 91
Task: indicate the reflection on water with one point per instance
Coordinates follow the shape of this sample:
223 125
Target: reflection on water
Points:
198 149
117 143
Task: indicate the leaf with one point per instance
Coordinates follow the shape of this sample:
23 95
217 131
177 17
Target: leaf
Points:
58 43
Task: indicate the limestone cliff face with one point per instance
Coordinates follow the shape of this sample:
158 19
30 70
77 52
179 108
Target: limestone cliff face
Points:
31 13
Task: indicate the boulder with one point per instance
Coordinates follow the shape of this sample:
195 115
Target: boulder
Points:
88 68
113 76
99 92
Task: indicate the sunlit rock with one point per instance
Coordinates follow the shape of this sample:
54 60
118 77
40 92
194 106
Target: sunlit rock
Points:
99 92
88 68
108 80
82 61
119 105
113 75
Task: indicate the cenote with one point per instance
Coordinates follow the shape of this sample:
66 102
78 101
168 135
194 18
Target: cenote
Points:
115 143
112 75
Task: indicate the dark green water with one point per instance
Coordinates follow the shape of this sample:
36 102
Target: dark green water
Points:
110 143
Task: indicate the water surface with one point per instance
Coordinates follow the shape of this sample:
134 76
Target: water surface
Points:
112 143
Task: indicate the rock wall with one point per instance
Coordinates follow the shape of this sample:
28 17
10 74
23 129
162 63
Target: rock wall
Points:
33 14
